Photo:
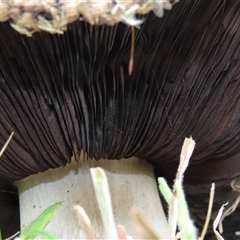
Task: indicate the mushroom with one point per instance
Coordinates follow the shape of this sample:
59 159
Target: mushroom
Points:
66 93
9 210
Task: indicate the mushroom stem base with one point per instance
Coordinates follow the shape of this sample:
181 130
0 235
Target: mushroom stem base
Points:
131 183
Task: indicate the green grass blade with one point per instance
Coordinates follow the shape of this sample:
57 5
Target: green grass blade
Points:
102 193
40 233
165 189
40 223
185 223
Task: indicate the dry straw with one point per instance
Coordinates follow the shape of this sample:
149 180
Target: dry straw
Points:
29 16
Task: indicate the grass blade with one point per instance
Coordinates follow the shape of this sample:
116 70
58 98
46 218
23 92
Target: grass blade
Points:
101 188
29 232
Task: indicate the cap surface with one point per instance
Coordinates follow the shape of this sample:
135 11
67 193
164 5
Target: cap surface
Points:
64 93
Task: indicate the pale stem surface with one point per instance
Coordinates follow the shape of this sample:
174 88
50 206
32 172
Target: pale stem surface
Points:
131 183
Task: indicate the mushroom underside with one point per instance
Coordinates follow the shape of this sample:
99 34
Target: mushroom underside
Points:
61 94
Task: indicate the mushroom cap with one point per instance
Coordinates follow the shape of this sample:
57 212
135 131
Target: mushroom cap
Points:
61 94
9 210
64 93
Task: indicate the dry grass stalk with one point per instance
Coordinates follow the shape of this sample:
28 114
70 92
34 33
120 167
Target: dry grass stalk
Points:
186 153
178 206
122 233
53 16
143 228
237 233
232 208
14 236
6 144
84 221
216 222
209 212
131 61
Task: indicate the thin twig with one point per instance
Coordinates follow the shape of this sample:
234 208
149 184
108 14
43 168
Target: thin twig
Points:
131 60
8 192
237 233
13 236
84 222
232 208
6 144
122 234
217 220
209 212
228 212
143 228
